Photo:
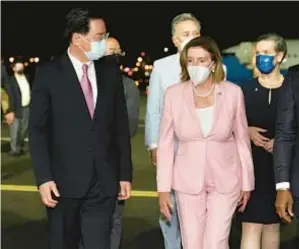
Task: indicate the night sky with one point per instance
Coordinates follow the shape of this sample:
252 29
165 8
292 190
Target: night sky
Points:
36 28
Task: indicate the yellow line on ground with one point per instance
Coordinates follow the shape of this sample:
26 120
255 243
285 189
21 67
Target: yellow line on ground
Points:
28 188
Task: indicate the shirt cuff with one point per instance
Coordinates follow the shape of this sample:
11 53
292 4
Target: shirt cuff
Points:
282 185
152 146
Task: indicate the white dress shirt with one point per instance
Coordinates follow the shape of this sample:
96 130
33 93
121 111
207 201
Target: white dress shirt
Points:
24 89
91 72
206 119
282 185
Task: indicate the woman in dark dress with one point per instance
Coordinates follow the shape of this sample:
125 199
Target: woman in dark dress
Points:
260 223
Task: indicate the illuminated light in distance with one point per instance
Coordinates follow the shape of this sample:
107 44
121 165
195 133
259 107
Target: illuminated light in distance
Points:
136 69
11 59
36 59
146 67
165 50
26 64
130 73
127 69
137 83
142 53
31 60
139 59
138 64
147 74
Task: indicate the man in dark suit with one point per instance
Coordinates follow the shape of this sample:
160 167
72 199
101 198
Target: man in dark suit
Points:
286 149
133 104
21 90
79 137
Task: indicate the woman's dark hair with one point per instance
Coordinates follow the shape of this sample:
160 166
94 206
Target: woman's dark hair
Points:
77 21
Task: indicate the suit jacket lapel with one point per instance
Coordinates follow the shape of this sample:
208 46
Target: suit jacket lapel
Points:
100 78
189 98
219 103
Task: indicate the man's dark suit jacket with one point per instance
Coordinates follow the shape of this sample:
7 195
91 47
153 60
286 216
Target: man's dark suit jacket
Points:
133 104
66 145
286 146
293 69
7 87
17 96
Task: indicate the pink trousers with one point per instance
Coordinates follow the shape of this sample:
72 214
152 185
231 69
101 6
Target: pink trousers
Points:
205 219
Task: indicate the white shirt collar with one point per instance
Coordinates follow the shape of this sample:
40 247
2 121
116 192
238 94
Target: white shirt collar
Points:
77 62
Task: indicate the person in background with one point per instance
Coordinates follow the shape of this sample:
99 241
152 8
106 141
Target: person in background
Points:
133 105
131 90
166 72
79 136
260 223
21 90
212 171
286 150
9 112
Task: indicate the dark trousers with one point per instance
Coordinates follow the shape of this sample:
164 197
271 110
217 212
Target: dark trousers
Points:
18 131
87 219
116 232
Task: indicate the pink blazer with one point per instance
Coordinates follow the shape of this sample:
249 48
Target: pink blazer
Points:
226 149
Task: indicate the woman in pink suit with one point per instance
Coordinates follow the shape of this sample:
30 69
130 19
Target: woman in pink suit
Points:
212 170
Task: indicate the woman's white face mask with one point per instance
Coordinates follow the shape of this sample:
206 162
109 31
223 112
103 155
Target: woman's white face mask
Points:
198 74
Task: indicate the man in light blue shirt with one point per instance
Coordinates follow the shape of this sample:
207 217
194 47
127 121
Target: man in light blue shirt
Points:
166 72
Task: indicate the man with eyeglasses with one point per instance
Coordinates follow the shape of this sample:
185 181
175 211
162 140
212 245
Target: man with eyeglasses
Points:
79 137
133 103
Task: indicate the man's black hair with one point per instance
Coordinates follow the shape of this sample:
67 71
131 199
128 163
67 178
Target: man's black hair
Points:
77 21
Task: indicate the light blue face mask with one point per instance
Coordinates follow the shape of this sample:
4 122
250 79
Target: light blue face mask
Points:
97 49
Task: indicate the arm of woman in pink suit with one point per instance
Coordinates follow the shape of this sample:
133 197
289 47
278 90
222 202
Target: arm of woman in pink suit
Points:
165 153
243 144
165 157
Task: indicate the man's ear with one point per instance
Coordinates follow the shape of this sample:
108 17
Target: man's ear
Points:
175 41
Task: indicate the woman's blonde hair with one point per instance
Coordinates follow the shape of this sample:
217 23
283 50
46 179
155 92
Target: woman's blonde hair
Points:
210 46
